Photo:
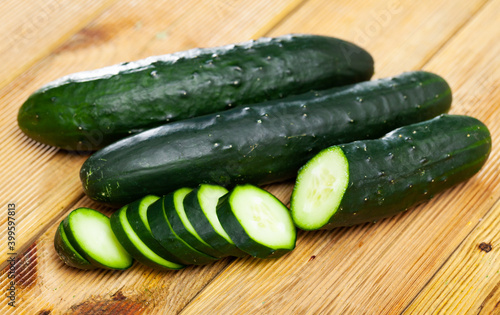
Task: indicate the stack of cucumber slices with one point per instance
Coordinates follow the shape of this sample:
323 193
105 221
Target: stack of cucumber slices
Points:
185 227
246 115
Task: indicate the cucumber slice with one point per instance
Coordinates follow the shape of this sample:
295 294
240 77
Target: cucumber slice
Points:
257 222
138 219
90 233
163 232
319 188
201 209
183 227
135 246
67 252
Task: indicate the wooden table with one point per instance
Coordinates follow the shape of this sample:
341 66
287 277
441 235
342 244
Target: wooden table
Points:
432 259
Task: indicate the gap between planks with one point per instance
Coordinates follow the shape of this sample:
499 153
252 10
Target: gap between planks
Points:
445 261
452 35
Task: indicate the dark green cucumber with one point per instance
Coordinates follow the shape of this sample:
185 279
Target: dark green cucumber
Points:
90 233
261 143
257 222
88 110
163 232
182 226
135 246
201 209
67 252
138 219
365 181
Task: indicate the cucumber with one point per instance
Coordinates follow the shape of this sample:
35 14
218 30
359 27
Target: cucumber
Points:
137 217
67 252
257 222
201 209
261 143
163 232
90 233
135 246
364 181
88 110
182 226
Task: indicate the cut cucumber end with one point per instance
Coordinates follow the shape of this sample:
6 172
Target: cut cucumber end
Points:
319 189
90 233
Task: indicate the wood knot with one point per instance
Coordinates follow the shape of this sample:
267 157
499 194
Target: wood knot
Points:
485 247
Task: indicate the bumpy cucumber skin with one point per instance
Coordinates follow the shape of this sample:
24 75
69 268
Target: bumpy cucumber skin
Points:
122 236
163 232
68 253
240 237
88 110
261 143
204 228
408 166
144 234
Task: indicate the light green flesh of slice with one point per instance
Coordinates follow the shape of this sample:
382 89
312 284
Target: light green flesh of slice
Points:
179 208
143 248
319 189
94 234
208 196
143 209
266 220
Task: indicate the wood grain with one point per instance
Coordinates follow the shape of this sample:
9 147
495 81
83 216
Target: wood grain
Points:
30 31
423 261
127 31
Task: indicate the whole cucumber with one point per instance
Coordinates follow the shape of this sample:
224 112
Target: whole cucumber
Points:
89 110
368 180
260 143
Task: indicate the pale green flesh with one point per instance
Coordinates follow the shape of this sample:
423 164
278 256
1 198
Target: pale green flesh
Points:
319 189
139 244
93 233
143 209
208 197
179 208
264 218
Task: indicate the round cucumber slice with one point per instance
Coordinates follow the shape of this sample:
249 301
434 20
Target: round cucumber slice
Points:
257 222
163 232
67 252
90 233
138 219
135 246
201 209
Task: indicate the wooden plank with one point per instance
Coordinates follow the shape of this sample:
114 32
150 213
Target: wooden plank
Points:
400 34
128 31
31 30
380 268
469 282
45 283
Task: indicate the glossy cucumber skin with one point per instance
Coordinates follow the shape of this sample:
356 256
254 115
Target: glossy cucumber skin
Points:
124 239
238 234
261 143
144 233
164 233
204 228
408 166
88 110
